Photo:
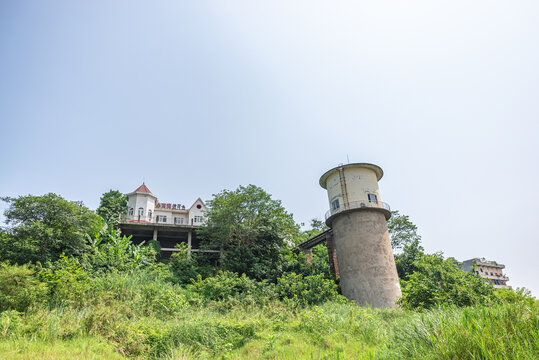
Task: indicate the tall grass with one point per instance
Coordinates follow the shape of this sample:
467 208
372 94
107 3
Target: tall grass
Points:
141 315
506 331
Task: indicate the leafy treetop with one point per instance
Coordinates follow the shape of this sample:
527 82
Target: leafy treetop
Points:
112 203
250 228
402 231
42 227
237 218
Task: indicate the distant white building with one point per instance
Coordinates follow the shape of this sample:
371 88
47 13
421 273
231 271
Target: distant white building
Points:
168 223
488 270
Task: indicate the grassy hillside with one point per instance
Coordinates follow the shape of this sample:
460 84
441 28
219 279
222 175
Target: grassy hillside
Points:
93 294
140 315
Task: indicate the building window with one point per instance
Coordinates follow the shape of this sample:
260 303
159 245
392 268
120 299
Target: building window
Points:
150 214
199 206
335 204
373 198
141 211
161 218
178 221
198 219
131 211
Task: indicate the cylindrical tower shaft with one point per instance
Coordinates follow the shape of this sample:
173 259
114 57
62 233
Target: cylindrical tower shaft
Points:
366 264
358 218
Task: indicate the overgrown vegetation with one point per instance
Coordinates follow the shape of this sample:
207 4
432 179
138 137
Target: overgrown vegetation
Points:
114 299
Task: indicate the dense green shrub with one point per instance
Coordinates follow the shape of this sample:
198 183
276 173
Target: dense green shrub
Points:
227 285
440 282
67 281
308 290
261 260
517 295
318 265
185 267
19 287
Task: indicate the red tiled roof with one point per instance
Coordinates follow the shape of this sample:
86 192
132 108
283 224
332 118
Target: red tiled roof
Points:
143 188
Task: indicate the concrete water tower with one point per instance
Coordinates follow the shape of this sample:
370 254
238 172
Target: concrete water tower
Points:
357 217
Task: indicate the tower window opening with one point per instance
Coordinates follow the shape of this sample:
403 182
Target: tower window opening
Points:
141 211
150 214
131 211
373 198
335 204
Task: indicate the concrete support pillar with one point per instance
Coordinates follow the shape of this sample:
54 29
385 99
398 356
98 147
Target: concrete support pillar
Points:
332 254
189 236
308 256
154 234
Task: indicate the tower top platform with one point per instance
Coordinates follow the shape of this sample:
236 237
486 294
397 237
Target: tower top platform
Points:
377 169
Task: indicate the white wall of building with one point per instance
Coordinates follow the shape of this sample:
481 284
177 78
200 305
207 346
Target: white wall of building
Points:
142 201
196 212
174 216
359 183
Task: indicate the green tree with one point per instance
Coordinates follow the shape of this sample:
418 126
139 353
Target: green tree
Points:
405 260
112 204
439 281
40 228
250 228
402 231
406 243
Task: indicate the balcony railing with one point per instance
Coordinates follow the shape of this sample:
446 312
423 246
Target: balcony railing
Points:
124 218
358 205
137 218
483 262
495 277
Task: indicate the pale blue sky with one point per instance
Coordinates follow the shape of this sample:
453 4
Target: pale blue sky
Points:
200 96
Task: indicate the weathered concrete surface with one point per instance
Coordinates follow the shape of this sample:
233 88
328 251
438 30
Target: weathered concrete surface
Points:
332 254
366 265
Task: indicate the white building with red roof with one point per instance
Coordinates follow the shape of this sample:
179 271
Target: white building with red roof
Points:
144 207
168 223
